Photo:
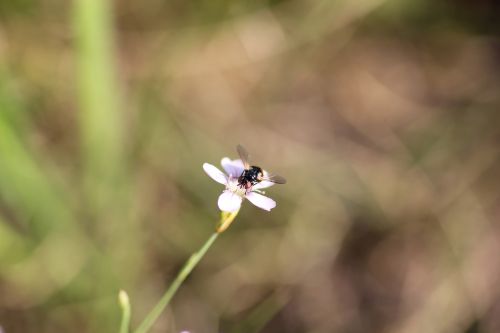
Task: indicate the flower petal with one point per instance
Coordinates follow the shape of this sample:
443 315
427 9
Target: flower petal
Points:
233 168
215 173
261 201
229 202
263 184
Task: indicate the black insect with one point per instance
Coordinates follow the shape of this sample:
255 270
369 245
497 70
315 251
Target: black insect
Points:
252 174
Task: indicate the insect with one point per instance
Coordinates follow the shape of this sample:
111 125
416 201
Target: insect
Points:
252 174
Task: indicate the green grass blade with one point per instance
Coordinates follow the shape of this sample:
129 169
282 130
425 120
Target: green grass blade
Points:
101 121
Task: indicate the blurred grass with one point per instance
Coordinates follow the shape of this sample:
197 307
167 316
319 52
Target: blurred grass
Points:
382 115
101 119
23 181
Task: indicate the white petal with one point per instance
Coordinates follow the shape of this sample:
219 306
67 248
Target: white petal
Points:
233 168
215 173
261 201
263 184
229 202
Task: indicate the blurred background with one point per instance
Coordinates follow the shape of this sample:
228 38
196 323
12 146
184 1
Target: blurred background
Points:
382 114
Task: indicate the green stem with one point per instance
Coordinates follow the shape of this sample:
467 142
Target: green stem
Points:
224 223
183 274
125 305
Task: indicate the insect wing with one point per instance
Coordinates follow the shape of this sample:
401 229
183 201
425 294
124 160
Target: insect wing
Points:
276 179
243 156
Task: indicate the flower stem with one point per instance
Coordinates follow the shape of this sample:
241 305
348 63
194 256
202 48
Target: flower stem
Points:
125 306
183 274
224 223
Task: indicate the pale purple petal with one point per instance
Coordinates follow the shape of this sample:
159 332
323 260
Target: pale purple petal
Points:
233 168
261 201
215 173
263 184
229 202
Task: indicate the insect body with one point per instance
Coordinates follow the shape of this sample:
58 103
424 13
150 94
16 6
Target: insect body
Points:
250 177
253 175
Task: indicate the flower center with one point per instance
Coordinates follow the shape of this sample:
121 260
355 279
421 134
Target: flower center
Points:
234 187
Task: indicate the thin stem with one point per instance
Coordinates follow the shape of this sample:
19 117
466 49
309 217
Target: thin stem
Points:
183 274
125 305
226 219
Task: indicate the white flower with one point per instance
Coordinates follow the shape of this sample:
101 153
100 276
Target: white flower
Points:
231 198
